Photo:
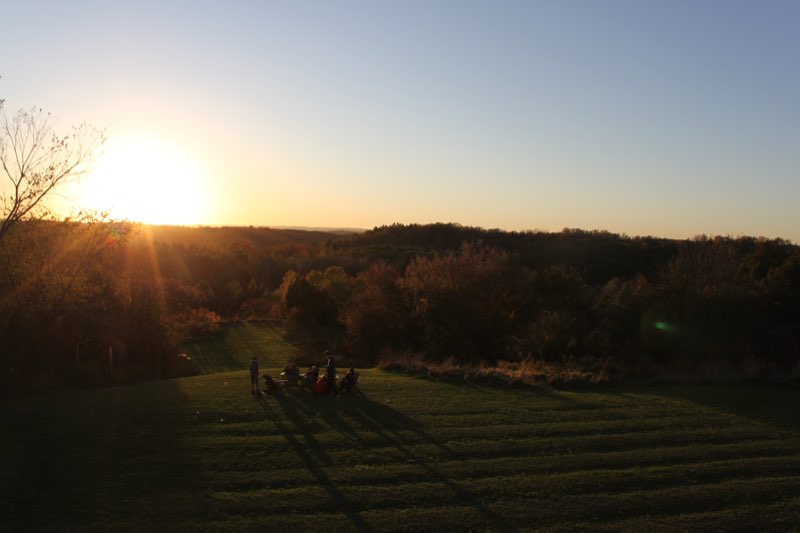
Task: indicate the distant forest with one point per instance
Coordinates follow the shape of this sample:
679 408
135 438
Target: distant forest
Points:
94 303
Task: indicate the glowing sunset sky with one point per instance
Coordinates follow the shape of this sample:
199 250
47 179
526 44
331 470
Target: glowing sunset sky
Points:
669 118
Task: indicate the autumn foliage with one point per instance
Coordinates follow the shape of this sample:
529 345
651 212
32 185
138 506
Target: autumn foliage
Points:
593 304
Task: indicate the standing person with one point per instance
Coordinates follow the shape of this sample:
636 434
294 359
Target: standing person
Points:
330 373
254 376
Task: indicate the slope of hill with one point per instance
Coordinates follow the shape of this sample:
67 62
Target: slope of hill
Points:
412 453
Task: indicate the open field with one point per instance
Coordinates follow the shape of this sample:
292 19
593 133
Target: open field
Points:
201 453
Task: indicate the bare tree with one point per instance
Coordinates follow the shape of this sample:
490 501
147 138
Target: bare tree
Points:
35 161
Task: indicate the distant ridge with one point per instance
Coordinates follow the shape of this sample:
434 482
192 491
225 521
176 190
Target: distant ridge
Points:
225 235
337 231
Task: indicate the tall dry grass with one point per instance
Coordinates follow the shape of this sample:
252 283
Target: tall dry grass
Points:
589 370
529 371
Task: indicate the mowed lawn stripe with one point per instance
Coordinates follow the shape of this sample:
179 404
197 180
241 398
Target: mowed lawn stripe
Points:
273 452
589 479
666 501
549 495
615 416
781 516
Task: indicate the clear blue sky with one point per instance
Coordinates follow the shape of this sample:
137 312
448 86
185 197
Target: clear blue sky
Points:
670 118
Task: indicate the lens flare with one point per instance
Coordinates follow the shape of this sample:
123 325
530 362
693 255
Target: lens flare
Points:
659 326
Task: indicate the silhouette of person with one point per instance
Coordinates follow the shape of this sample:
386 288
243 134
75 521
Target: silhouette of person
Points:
349 380
330 373
310 377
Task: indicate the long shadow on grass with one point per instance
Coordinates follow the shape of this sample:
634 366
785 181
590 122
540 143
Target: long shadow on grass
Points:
388 424
315 460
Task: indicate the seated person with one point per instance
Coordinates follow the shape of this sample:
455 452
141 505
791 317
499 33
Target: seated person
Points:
321 386
270 384
291 373
349 382
310 377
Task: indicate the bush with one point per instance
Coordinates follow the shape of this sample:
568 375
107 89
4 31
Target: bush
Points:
197 322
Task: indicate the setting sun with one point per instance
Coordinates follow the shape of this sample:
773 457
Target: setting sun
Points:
146 179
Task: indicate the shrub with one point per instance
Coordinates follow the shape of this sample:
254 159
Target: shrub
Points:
197 322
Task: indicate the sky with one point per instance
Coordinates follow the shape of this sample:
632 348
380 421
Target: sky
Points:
669 118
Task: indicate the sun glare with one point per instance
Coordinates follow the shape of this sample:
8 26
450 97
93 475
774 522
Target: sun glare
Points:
147 180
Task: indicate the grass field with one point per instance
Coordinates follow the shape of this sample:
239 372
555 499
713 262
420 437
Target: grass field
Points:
413 453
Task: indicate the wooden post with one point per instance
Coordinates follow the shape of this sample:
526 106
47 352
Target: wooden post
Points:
111 361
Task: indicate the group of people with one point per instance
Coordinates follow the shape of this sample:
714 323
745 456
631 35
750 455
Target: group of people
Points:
311 380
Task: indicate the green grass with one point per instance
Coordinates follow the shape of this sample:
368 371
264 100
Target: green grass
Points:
414 453
236 343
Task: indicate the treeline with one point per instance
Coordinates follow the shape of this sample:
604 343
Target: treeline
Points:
706 308
717 308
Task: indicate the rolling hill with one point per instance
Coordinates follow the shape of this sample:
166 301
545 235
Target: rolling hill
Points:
411 453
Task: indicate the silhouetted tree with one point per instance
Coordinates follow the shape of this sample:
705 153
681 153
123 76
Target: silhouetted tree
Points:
34 161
